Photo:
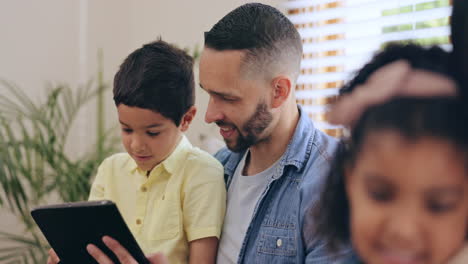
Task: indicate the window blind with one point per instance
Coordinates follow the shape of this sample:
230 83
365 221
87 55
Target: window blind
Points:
340 36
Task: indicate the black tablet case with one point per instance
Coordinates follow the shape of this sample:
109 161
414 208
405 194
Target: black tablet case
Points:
70 227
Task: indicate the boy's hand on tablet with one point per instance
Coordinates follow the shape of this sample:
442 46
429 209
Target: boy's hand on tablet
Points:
121 253
53 258
158 258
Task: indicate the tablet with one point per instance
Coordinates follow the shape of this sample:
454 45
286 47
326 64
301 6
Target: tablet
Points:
70 227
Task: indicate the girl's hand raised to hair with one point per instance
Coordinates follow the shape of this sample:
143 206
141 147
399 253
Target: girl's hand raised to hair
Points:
121 253
393 80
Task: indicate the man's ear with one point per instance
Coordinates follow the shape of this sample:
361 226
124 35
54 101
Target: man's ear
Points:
282 86
187 118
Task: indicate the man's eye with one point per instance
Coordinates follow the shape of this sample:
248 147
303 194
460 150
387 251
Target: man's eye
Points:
127 130
229 99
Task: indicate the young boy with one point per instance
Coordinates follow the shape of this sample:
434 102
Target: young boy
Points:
171 194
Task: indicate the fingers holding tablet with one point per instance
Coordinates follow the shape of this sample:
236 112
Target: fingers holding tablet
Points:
53 258
120 252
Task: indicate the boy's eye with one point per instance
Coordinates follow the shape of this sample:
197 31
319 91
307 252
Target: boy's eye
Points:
152 134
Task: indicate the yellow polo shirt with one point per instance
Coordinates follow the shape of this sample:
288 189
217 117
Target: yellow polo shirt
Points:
183 199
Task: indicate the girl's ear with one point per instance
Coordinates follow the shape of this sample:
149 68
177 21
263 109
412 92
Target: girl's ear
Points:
187 119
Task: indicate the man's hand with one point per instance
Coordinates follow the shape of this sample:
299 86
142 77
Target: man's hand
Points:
121 253
53 258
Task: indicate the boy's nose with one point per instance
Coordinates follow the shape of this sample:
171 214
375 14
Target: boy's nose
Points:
137 144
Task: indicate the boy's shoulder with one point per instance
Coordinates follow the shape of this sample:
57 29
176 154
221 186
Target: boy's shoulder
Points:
198 157
198 166
118 160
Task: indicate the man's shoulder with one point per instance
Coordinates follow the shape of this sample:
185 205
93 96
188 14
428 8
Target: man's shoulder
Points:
223 155
309 147
319 157
317 167
325 145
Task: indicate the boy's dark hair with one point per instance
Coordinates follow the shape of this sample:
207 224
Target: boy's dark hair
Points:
413 118
159 77
269 38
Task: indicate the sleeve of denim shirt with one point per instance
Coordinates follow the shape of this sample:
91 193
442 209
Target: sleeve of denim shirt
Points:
316 250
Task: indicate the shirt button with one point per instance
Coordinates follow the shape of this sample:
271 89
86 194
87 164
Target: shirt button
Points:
279 242
138 221
143 189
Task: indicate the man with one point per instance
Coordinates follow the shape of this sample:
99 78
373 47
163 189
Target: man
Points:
276 160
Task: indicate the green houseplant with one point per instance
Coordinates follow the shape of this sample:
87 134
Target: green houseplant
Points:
34 163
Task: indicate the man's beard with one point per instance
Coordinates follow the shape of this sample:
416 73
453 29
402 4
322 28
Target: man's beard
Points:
254 126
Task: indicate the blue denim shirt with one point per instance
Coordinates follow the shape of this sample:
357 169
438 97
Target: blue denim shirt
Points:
275 234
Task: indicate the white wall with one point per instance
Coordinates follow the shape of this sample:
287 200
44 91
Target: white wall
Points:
38 42
183 23
57 41
54 41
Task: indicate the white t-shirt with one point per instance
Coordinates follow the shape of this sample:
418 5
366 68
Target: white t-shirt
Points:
243 195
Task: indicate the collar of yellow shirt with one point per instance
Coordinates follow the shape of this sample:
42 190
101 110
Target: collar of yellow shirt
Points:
169 164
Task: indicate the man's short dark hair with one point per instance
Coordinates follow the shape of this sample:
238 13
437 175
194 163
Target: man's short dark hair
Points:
271 41
158 77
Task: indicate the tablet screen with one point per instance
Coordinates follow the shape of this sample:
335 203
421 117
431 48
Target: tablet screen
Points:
70 227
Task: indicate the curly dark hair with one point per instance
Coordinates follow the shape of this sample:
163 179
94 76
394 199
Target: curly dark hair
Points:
443 117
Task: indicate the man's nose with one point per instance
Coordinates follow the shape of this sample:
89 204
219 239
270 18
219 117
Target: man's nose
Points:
213 112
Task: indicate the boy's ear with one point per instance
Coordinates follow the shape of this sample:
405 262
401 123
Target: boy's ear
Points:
187 118
281 89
